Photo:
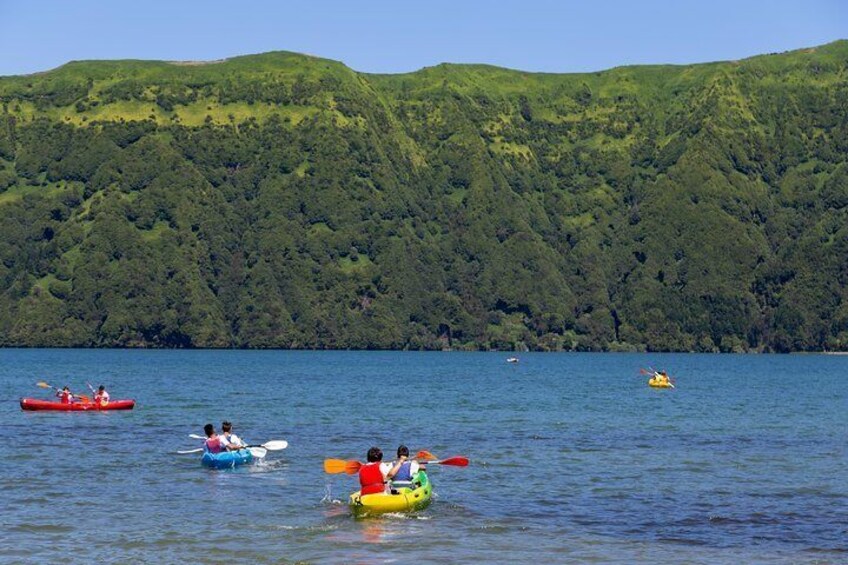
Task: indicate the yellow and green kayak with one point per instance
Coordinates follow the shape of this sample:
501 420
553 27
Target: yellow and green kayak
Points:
404 499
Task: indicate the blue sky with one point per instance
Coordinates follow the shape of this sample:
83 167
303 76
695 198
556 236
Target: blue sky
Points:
386 36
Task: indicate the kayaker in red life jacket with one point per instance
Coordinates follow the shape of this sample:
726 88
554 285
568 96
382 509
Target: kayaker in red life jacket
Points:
372 475
101 397
403 469
65 395
213 443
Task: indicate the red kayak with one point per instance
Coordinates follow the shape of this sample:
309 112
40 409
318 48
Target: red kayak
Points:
36 404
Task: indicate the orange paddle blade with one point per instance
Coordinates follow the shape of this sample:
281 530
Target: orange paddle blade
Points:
333 466
455 461
424 455
352 467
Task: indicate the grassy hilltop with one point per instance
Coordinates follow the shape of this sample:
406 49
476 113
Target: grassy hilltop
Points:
281 200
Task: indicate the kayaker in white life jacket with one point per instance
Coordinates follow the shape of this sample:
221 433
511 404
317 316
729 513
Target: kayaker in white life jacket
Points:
101 397
230 440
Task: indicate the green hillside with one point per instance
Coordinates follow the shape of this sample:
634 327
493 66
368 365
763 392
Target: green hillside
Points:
281 200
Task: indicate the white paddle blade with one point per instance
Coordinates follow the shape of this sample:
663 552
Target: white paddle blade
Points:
258 452
198 450
195 436
275 445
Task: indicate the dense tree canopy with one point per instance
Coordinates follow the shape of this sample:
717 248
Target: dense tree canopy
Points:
280 200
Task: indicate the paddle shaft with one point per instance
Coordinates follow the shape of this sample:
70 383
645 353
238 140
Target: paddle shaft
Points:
655 374
272 445
334 466
42 384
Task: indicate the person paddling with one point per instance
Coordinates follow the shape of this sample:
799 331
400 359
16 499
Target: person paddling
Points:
65 395
101 397
401 472
231 440
372 475
213 443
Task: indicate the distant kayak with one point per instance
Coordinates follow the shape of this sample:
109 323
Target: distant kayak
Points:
56 406
405 499
512 360
656 383
227 459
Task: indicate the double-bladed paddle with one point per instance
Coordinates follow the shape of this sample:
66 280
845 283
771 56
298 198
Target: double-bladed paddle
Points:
333 466
82 397
653 373
258 451
273 445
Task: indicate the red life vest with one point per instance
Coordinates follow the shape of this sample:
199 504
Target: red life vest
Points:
214 445
371 478
66 397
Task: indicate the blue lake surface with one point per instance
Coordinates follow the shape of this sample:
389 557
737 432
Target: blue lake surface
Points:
573 458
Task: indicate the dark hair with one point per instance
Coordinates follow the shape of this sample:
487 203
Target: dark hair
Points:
65 387
226 426
209 429
403 450
374 454
101 387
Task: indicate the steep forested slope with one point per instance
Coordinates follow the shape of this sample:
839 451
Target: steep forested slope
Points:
280 200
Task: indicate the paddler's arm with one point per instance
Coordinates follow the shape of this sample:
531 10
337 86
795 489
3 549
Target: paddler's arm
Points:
394 470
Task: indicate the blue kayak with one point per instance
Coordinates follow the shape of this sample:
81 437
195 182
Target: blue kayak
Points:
226 459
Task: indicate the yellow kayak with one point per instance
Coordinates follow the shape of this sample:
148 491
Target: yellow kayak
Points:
402 499
656 383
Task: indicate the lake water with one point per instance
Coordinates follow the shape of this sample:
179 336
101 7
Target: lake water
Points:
573 458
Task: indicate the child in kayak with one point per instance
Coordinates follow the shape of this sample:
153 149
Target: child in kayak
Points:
231 440
101 397
372 475
214 442
402 470
65 395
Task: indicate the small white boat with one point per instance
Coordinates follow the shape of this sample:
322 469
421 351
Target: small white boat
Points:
512 360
